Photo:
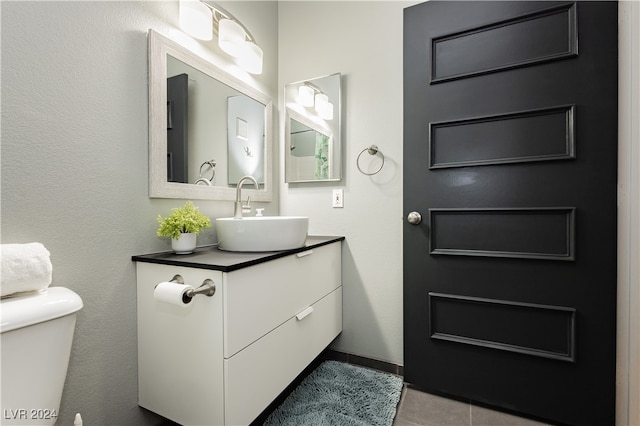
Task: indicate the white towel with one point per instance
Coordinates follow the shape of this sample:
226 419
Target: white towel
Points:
25 267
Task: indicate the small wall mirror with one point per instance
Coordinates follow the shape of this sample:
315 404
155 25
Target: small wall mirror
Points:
207 128
312 130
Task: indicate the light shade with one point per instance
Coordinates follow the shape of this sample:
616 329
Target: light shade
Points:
305 96
321 101
323 107
196 19
231 37
200 20
327 111
251 58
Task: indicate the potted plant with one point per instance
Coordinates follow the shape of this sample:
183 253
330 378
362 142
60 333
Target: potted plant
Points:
183 225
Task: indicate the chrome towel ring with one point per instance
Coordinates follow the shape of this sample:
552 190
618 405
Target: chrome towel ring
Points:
372 150
203 180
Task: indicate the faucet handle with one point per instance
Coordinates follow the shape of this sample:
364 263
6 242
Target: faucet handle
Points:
246 208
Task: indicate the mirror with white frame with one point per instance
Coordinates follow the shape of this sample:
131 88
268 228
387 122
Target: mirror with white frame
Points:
312 130
207 128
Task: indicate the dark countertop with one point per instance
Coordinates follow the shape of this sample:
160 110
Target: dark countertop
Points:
210 257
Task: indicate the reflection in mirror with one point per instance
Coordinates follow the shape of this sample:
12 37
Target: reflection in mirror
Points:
207 128
312 130
207 122
245 138
310 148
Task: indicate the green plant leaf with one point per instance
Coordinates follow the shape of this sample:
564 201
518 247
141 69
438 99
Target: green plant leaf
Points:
183 220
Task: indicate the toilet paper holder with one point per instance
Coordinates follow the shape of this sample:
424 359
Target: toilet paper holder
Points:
207 287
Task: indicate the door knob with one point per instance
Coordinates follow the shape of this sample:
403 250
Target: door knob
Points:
414 218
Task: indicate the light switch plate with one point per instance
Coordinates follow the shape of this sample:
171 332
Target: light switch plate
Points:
338 198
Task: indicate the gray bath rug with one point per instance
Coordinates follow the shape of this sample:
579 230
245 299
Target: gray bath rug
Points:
340 394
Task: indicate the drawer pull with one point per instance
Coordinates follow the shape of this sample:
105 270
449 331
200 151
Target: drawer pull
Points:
304 253
304 313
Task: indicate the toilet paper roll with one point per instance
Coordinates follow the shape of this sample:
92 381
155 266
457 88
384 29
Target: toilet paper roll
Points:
172 293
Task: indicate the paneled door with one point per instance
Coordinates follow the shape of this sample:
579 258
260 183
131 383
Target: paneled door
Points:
510 156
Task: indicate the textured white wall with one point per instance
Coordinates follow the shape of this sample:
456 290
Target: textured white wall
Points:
363 41
74 171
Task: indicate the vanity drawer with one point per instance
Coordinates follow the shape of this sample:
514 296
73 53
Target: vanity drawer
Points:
260 298
255 376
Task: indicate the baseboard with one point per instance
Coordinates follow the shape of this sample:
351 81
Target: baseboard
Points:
387 367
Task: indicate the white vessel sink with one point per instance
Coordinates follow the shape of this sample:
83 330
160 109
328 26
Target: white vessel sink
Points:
263 233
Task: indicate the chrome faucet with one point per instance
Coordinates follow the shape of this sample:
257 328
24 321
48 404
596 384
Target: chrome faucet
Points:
239 207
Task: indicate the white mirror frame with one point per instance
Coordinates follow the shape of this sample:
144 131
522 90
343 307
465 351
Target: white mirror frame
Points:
159 187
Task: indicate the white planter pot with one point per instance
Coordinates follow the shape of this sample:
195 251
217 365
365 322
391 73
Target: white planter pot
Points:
185 244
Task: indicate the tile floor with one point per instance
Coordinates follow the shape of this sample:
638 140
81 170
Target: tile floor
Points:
418 408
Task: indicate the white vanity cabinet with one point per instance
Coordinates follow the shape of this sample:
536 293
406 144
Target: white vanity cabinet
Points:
224 359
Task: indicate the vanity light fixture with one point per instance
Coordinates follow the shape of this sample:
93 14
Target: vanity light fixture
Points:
310 95
203 18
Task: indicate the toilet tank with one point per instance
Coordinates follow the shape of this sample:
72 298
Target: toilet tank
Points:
36 336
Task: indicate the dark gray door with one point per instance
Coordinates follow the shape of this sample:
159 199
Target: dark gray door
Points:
510 159
178 128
